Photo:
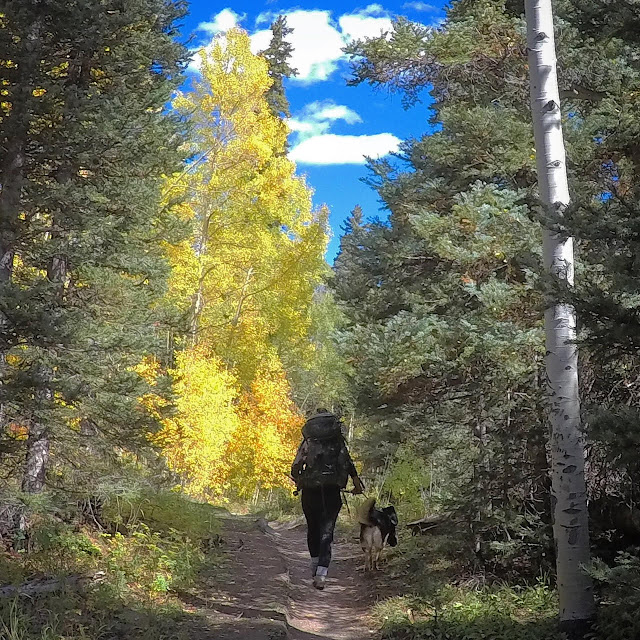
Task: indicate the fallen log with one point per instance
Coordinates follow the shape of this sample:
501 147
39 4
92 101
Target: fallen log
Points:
49 585
429 523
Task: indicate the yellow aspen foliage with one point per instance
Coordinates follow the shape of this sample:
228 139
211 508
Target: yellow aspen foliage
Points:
246 276
244 280
261 451
196 438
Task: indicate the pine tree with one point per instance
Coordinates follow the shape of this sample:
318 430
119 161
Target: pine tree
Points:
277 55
87 261
475 70
447 336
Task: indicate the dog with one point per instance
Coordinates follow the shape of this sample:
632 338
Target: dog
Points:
377 529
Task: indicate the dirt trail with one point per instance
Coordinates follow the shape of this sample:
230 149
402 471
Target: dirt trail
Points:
264 591
245 598
341 611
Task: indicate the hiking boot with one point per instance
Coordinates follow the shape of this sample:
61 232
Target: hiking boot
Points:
319 582
320 578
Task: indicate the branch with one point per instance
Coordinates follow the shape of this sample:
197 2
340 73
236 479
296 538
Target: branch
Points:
578 92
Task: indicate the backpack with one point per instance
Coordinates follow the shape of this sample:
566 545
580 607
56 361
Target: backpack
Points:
326 460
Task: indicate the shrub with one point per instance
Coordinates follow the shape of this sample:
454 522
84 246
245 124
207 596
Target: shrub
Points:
160 511
619 610
456 613
150 561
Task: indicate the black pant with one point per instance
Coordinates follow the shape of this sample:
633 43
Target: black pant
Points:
321 507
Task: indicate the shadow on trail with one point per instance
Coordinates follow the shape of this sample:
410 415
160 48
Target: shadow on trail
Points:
239 594
487 628
100 615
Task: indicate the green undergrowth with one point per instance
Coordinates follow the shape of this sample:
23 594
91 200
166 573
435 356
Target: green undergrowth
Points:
442 593
279 505
472 613
619 594
450 597
148 548
96 615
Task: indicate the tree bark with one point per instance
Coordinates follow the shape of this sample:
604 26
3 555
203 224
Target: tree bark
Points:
38 445
197 300
37 458
569 499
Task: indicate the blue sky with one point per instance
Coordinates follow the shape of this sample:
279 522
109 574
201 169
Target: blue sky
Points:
333 126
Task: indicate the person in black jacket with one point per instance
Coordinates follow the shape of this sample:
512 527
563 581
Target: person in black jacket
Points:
321 470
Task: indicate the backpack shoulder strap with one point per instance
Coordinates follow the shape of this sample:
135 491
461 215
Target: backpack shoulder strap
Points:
300 459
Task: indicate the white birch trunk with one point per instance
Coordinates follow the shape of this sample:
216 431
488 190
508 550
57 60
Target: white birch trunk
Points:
568 491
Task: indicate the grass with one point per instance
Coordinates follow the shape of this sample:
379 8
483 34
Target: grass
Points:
449 598
94 615
156 545
464 613
152 547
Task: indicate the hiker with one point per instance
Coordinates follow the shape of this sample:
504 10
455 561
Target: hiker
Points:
321 471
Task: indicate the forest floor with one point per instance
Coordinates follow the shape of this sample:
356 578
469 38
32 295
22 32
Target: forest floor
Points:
263 591
251 581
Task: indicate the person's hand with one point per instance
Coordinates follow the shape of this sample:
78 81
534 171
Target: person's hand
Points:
358 487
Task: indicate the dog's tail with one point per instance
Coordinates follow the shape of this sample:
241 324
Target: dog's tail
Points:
364 512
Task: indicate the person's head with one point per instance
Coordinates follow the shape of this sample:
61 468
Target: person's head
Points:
314 412
336 411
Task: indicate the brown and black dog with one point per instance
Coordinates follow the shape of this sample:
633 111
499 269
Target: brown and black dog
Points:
377 528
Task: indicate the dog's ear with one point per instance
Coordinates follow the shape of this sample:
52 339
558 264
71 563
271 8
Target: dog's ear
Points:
390 512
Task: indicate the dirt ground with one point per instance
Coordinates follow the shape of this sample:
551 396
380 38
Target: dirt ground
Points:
264 591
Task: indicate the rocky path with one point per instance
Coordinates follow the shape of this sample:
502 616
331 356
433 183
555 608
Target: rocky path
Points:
263 591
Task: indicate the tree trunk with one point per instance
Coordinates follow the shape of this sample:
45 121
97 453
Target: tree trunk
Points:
37 459
243 297
569 500
197 300
12 166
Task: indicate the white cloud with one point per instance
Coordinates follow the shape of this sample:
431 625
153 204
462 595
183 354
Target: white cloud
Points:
316 118
266 17
317 39
373 9
221 22
305 127
333 149
329 110
336 112
195 62
260 40
357 26
313 144
317 44
421 6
